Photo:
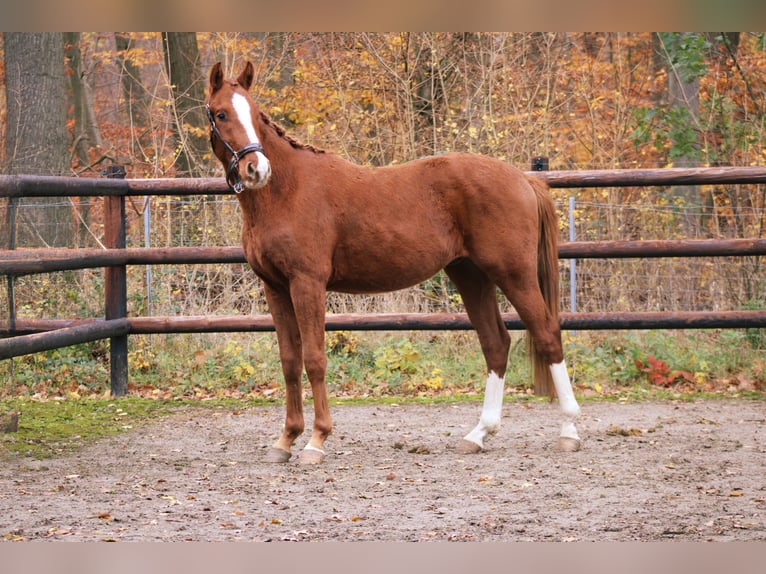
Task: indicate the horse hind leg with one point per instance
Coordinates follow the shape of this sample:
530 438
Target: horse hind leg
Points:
479 297
569 440
526 298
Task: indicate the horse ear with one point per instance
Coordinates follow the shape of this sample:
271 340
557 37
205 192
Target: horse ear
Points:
246 77
216 77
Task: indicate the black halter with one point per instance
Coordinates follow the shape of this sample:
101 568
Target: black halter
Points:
232 173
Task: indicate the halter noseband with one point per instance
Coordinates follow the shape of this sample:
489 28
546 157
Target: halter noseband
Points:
232 173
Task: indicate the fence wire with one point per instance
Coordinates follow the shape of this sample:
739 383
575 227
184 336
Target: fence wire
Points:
610 285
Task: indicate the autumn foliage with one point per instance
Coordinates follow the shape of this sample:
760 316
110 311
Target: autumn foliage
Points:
584 100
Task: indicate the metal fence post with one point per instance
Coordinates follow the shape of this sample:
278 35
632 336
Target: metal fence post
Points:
115 284
539 163
572 261
10 285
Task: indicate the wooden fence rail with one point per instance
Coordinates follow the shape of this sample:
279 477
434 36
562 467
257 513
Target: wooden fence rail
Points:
28 261
370 322
52 186
26 336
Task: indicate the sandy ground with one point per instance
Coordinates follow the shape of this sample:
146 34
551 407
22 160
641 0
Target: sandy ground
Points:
647 471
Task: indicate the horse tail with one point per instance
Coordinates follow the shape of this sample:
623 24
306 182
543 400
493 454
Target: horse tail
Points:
547 277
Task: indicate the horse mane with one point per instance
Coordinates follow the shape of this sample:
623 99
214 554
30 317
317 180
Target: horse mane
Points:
280 131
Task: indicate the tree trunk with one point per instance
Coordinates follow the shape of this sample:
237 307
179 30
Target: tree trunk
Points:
36 139
134 92
87 136
187 85
86 132
685 66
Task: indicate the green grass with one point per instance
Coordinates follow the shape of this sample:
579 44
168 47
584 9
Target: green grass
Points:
57 427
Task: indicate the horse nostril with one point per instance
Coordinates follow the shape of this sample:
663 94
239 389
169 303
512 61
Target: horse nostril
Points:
251 170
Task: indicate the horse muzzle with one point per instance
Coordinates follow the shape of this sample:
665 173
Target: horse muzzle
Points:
257 171
251 172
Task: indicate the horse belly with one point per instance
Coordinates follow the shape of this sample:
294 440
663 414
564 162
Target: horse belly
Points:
382 266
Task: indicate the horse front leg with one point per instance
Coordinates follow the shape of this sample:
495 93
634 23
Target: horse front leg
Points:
308 296
291 357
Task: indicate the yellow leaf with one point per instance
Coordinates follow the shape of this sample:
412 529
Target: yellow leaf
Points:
13 537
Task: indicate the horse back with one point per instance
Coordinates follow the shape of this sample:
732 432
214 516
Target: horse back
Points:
379 229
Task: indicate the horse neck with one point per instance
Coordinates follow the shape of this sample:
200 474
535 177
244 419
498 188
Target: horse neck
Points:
275 146
283 153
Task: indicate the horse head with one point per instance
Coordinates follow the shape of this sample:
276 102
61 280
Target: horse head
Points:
233 135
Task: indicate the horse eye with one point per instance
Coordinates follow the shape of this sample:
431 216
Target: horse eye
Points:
221 116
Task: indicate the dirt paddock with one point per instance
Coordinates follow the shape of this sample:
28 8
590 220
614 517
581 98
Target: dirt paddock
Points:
647 471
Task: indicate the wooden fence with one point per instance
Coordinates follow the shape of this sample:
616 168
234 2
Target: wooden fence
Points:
24 336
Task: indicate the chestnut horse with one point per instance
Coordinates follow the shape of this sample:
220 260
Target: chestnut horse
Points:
314 222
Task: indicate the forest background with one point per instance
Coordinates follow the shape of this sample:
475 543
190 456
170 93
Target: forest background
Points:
75 103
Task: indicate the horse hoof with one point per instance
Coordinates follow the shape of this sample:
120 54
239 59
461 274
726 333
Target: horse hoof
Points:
468 447
277 455
568 444
311 456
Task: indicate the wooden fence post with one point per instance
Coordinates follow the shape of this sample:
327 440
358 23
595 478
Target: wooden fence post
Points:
115 284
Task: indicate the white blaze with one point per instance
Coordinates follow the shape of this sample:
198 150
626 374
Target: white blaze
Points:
242 108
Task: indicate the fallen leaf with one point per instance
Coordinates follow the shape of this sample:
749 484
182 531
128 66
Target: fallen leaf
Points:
14 536
615 430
